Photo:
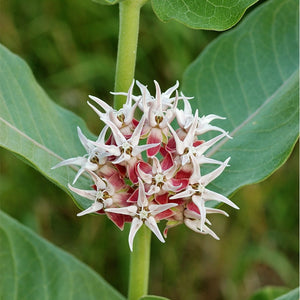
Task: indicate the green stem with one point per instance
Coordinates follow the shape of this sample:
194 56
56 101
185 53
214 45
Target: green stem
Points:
139 264
127 47
126 58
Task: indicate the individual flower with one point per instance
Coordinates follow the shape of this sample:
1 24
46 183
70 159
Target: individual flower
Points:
185 119
95 157
158 111
198 192
122 118
191 147
142 212
127 150
193 220
161 178
105 193
166 100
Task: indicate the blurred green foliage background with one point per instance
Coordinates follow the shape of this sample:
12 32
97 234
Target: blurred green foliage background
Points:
71 47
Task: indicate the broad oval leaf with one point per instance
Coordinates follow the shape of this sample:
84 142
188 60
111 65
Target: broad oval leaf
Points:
32 268
205 14
292 295
34 127
250 76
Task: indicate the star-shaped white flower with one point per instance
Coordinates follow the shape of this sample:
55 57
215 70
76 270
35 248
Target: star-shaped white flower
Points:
121 117
187 148
95 156
185 119
142 212
147 99
199 193
193 221
127 148
161 180
101 196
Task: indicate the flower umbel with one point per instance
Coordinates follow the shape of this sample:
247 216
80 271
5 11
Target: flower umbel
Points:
146 171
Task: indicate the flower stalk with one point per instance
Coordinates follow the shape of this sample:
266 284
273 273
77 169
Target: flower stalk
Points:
127 47
139 264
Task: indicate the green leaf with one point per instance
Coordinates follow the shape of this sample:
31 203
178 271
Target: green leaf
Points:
269 293
250 76
107 2
204 14
292 295
151 297
32 268
34 127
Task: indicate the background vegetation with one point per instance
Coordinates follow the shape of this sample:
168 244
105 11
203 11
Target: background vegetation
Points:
71 47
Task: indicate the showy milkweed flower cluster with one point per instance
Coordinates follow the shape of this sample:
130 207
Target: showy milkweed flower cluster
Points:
146 171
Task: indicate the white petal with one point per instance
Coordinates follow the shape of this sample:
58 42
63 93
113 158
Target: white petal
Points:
138 149
79 161
87 144
187 106
158 208
210 195
103 104
102 116
94 208
119 137
128 210
129 97
206 160
142 199
189 139
196 175
153 190
80 171
179 144
183 194
170 91
151 223
135 138
158 96
145 176
110 149
156 167
216 211
185 158
206 145
200 204
119 159
89 194
101 138
135 226
101 184
206 179
194 225
130 113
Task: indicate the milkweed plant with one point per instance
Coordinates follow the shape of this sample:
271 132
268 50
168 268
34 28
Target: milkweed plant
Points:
168 184
153 159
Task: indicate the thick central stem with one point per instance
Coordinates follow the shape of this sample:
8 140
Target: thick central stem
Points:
127 47
126 58
139 264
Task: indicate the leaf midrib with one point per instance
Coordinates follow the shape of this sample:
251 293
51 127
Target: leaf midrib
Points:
252 115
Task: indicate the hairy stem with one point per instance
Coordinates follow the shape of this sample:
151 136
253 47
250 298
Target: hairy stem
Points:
127 47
